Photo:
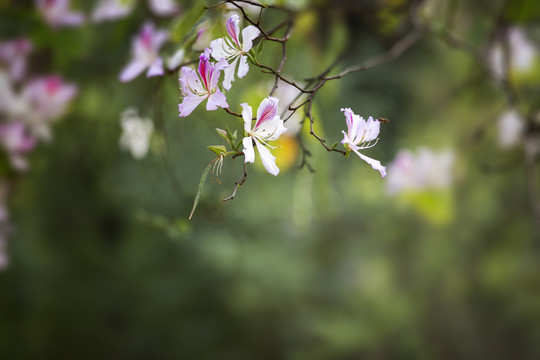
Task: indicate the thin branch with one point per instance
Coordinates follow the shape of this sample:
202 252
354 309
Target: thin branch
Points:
237 184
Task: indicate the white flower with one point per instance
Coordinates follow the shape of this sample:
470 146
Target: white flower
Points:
511 127
522 53
422 171
268 127
136 133
231 49
363 133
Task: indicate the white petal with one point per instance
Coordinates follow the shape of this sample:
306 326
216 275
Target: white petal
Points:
248 35
216 100
218 49
268 160
247 114
243 68
271 129
375 164
249 153
229 75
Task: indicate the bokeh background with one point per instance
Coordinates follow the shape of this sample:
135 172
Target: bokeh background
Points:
104 263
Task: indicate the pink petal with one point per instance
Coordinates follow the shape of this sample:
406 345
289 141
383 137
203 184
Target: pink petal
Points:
216 100
189 103
267 110
233 29
156 69
132 70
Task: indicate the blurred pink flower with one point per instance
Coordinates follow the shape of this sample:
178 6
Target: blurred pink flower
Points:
47 99
145 53
112 10
422 171
197 86
58 13
17 142
363 133
268 127
13 53
522 53
233 51
164 7
107 10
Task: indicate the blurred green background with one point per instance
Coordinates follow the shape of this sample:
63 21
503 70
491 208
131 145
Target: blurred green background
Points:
324 265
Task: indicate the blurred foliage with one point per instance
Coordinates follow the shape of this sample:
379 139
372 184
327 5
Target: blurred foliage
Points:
324 265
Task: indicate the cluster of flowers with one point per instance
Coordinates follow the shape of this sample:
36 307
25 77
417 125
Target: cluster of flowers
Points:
28 107
58 13
230 55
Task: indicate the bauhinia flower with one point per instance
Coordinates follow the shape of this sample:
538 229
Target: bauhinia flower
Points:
46 100
422 171
58 13
511 127
117 9
13 54
362 134
145 48
268 127
233 50
522 53
202 84
17 142
136 133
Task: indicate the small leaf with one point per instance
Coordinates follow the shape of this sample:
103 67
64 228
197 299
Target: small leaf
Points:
201 184
259 48
334 145
220 150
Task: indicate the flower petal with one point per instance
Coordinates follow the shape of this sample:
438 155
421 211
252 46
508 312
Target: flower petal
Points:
156 69
248 35
132 70
218 49
267 110
233 29
163 7
229 75
247 114
268 160
189 103
216 100
375 164
243 68
249 153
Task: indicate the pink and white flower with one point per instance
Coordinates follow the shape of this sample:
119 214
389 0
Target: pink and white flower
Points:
422 171
163 7
17 142
46 99
145 54
362 134
233 50
268 127
521 50
14 53
202 84
107 10
58 13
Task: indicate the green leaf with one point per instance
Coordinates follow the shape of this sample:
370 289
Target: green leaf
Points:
335 144
220 150
201 184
